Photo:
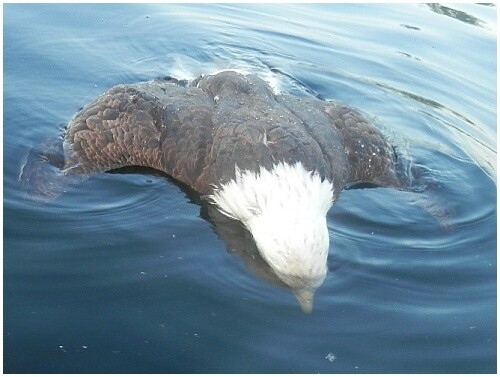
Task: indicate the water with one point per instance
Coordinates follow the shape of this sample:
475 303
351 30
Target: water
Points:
123 274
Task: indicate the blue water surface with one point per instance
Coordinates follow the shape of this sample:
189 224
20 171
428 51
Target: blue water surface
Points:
123 274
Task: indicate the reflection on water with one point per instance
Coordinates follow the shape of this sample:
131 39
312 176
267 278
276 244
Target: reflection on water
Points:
456 14
410 27
471 142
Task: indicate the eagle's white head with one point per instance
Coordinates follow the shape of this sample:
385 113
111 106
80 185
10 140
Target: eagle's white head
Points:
285 210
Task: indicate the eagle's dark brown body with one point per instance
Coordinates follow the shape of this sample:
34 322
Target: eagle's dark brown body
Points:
198 133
